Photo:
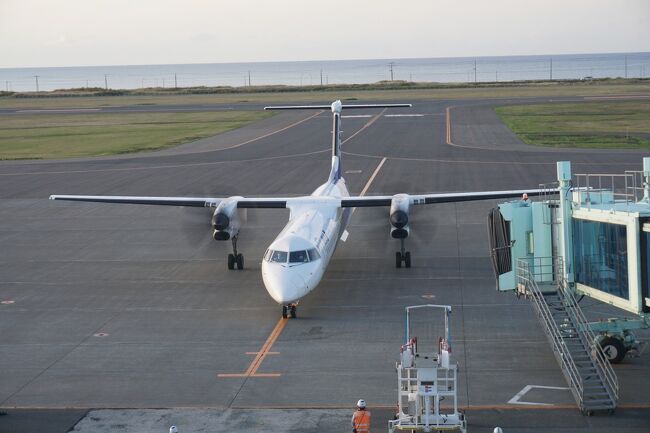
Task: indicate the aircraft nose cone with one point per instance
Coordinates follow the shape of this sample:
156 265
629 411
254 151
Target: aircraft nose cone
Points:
284 285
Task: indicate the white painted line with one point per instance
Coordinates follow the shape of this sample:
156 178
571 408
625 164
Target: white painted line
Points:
364 127
516 398
58 110
353 171
354 116
403 115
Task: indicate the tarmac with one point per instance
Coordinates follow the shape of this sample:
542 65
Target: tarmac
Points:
125 316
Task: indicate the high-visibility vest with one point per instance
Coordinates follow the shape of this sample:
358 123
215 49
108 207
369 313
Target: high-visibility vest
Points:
361 421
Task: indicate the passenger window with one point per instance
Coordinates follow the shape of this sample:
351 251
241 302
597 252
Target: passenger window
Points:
313 254
279 257
298 257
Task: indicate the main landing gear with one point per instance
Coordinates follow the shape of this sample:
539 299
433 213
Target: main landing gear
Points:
235 258
289 310
402 256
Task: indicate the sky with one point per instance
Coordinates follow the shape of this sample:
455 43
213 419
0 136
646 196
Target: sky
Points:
128 32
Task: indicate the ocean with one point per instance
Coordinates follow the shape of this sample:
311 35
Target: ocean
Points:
443 70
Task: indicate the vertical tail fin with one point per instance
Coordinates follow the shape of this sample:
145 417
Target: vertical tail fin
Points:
335 173
336 107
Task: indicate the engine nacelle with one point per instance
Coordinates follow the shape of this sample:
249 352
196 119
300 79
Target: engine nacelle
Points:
227 219
399 216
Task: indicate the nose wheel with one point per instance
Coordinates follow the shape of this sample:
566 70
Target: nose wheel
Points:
235 258
402 257
289 311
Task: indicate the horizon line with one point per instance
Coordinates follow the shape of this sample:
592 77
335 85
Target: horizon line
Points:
328 60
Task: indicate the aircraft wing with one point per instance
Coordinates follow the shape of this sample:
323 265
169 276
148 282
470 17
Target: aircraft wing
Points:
281 202
418 199
242 202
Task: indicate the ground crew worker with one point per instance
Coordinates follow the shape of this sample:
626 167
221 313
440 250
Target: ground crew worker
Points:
361 418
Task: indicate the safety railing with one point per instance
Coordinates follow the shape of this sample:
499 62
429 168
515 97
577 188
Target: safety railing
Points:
543 269
550 199
626 188
589 340
526 275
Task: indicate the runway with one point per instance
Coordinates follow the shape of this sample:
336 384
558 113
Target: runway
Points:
120 306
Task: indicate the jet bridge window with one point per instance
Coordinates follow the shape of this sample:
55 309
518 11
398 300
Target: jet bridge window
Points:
600 255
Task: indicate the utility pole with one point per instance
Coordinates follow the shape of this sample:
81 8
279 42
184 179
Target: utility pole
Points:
249 78
175 81
36 76
625 66
475 78
7 85
496 76
390 67
551 69
163 83
321 77
106 81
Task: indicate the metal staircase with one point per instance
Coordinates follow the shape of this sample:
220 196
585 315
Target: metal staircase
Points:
590 376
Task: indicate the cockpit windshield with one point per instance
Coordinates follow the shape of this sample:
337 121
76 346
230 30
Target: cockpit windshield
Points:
293 257
298 257
278 257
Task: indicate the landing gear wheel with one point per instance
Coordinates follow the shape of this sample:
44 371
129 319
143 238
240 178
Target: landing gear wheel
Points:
284 312
398 259
292 311
240 261
614 349
231 261
407 259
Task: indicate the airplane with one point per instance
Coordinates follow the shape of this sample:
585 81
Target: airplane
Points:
294 263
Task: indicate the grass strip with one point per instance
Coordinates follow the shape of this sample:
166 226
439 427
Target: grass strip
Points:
39 136
602 124
395 90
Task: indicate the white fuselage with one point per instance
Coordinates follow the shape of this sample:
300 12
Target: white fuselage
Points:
291 268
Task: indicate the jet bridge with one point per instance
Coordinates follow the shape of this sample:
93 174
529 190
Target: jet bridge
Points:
589 236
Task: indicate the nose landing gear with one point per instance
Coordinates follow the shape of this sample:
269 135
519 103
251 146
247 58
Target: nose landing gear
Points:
289 310
235 258
402 256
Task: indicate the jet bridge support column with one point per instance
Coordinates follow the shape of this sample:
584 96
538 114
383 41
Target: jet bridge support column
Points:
564 179
646 180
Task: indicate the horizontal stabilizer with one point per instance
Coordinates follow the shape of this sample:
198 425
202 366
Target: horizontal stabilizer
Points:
327 107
